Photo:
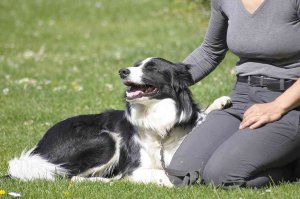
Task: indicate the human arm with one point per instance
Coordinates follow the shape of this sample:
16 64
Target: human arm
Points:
260 114
205 58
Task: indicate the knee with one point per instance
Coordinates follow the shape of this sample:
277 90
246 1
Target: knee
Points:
223 174
182 178
214 174
181 172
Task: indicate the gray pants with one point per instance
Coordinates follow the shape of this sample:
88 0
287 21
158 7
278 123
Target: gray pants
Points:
218 152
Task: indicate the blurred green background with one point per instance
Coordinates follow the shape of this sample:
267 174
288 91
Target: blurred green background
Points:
61 58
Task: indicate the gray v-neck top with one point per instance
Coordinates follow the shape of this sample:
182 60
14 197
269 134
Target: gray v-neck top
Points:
266 41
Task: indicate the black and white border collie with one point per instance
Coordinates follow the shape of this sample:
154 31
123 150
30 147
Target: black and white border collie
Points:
121 143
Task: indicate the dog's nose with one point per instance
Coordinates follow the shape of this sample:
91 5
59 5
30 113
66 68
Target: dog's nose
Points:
124 72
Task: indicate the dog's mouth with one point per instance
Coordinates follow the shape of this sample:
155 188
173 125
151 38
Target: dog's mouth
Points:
135 91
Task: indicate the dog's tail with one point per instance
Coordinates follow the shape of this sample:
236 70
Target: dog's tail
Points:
32 166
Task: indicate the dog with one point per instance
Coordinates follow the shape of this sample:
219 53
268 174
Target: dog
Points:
135 143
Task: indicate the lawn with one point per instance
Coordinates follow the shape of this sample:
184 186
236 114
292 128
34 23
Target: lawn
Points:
60 58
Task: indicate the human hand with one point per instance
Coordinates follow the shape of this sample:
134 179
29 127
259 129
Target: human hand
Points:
259 114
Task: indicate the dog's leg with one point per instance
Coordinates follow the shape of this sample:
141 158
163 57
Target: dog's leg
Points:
94 179
218 104
156 176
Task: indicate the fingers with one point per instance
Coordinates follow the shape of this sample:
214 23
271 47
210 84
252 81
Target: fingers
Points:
254 119
259 115
255 122
248 112
251 116
250 121
253 109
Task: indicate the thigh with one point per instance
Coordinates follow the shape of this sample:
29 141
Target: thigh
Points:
249 152
198 146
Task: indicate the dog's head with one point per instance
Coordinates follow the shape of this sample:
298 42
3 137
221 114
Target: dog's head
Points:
155 78
158 96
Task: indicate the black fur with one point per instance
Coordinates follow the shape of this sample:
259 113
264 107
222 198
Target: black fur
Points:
87 141
173 81
83 142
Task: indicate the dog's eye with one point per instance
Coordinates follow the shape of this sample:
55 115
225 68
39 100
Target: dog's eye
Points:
151 66
154 69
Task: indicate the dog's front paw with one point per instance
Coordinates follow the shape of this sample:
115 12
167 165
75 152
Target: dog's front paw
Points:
165 183
223 102
219 104
78 179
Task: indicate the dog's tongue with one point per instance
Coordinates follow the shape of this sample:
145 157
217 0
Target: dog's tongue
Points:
137 91
134 94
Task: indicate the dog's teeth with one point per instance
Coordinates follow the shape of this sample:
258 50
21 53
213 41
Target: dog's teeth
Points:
148 90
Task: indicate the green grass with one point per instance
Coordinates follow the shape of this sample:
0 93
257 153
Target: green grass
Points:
61 58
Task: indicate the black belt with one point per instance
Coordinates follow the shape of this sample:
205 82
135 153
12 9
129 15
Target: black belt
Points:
270 83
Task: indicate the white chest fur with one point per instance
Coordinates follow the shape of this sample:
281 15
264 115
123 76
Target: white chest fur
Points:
151 147
154 119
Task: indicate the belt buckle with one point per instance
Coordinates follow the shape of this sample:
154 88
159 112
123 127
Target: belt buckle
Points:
261 81
281 85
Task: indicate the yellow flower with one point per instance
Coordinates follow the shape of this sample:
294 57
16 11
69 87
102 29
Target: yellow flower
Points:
2 192
66 193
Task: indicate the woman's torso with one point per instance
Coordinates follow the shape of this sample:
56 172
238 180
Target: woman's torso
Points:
268 40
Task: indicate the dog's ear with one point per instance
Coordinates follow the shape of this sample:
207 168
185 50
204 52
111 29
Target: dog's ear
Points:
181 78
185 100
